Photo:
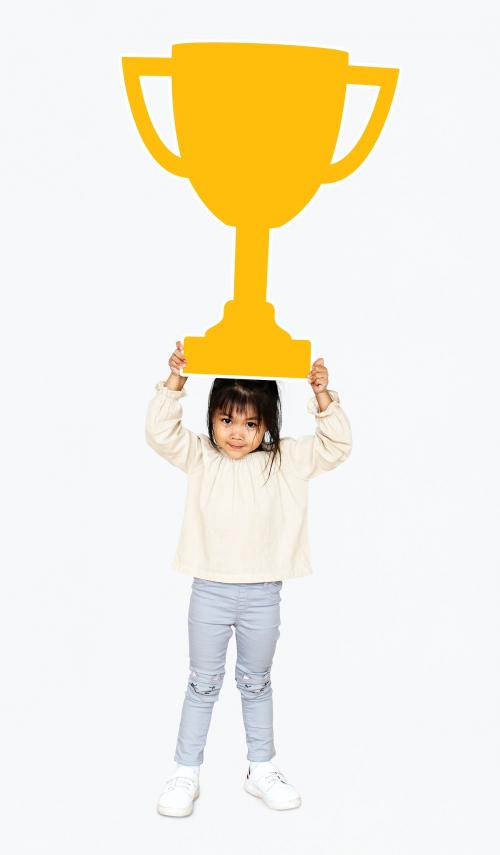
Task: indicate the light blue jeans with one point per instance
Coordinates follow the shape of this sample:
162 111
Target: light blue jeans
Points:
253 608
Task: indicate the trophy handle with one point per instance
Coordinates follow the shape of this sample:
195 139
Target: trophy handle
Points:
133 68
386 78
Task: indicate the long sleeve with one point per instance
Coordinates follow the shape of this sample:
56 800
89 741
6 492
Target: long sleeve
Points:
329 446
165 432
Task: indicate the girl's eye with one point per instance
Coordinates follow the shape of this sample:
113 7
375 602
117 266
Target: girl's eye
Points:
250 424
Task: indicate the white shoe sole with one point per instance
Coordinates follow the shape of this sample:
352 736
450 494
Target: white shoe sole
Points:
252 789
166 811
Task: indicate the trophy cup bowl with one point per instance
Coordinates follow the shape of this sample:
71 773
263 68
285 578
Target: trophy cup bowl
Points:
257 126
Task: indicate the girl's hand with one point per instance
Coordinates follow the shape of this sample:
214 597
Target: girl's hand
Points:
176 362
318 376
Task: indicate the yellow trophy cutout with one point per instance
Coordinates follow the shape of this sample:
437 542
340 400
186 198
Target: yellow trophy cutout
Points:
257 126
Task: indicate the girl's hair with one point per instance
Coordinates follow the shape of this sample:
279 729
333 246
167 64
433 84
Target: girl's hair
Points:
229 394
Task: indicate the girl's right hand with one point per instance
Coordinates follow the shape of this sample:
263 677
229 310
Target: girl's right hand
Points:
176 362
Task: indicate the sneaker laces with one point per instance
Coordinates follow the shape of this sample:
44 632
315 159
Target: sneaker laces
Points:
179 780
271 777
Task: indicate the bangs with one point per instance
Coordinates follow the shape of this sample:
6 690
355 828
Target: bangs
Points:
237 401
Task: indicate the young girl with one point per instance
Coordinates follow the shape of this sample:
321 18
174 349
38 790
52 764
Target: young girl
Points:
244 532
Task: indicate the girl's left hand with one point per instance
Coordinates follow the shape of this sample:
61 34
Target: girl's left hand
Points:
318 376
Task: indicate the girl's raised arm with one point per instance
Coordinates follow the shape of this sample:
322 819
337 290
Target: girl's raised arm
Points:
331 444
165 432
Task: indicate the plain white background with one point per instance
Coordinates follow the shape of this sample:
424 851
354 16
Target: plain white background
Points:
386 673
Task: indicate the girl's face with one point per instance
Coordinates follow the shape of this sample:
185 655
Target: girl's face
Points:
238 435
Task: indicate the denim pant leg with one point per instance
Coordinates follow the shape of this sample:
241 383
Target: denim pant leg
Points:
212 611
257 631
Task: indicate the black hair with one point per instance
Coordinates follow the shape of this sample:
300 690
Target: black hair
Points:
229 394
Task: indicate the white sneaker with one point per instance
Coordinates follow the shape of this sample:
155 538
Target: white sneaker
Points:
268 783
179 792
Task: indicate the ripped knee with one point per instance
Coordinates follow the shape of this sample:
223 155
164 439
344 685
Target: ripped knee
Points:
205 684
253 683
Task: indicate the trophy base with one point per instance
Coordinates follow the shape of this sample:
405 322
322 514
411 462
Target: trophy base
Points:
247 343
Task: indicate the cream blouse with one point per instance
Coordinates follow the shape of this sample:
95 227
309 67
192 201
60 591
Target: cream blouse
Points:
239 524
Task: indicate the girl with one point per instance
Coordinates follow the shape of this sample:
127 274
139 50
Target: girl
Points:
244 531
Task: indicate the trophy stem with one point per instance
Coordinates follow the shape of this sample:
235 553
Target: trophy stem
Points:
250 268
230 347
